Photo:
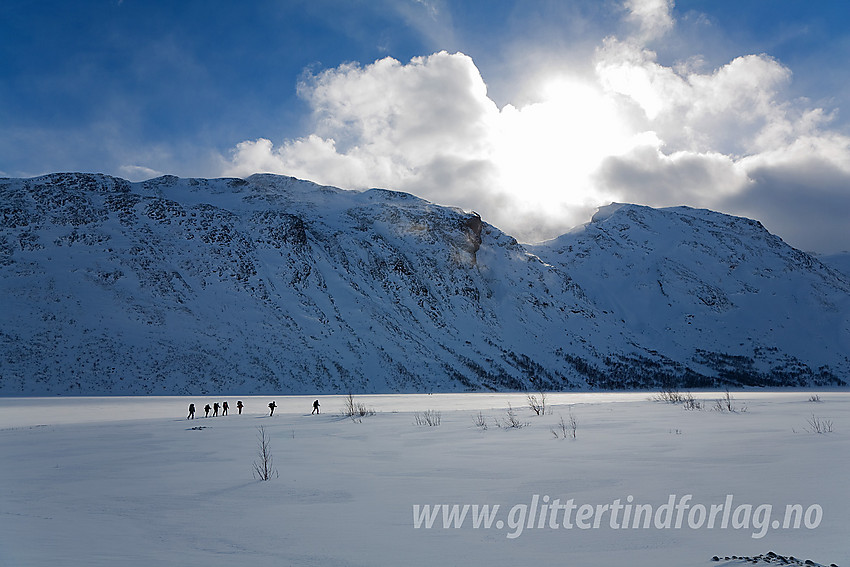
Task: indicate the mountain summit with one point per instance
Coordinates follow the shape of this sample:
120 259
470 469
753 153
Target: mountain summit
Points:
272 284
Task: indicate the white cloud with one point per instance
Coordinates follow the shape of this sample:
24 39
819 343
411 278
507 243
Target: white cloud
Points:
801 191
654 18
735 109
138 172
637 131
429 127
384 124
404 111
729 139
646 175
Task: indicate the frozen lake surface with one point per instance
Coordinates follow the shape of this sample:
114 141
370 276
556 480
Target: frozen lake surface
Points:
101 481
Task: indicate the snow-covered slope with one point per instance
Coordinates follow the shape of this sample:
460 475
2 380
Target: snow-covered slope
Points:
272 284
839 262
712 291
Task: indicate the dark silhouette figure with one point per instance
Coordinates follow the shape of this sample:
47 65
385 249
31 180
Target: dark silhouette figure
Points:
271 408
191 412
224 408
207 409
315 407
239 406
215 409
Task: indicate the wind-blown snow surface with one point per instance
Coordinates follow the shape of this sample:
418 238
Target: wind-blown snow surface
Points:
129 481
271 284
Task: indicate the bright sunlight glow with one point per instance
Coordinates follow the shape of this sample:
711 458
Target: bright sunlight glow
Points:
548 150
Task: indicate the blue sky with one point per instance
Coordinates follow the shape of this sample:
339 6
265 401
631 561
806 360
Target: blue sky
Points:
532 113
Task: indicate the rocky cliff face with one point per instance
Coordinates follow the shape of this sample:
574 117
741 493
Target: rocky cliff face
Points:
271 284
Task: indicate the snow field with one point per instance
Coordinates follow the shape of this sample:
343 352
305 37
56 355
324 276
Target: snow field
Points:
95 481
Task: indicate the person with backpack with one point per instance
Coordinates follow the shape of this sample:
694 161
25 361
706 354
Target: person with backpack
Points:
215 409
271 408
315 408
239 406
224 408
191 412
207 410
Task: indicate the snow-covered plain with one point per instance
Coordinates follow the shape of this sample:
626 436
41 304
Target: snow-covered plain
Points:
129 481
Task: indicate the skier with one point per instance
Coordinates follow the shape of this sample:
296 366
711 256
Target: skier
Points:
271 408
207 410
215 409
224 408
191 412
239 406
315 407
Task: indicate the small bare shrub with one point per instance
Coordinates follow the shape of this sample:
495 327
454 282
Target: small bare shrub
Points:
566 429
668 396
263 467
354 409
673 396
819 425
430 418
725 403
690 403
537 405
512 421
480 421
349 409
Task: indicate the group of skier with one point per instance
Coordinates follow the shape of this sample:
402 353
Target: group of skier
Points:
215 408
224 407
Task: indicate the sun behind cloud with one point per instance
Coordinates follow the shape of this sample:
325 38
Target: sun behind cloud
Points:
429 127
633 130
548 151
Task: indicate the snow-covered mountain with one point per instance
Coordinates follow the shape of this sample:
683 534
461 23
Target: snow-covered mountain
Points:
717 293
271 284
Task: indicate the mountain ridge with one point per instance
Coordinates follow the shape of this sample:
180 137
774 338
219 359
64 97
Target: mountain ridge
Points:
270 284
